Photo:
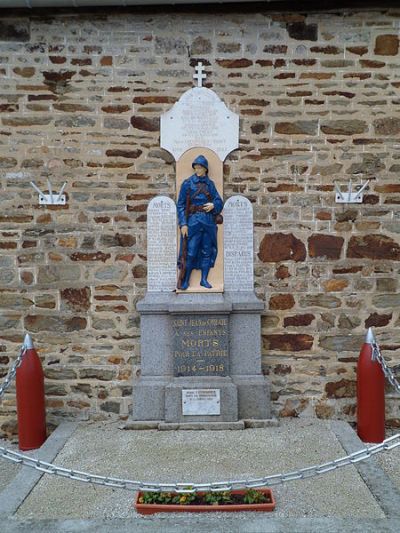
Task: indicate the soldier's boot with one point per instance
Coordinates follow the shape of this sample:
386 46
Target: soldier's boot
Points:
186 279
204 273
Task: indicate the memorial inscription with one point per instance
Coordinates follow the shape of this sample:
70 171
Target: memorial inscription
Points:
199 118
161 245
201 345
201 402
238 244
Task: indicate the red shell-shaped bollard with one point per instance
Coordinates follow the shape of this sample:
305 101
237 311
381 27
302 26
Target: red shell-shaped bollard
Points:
370 395
31 410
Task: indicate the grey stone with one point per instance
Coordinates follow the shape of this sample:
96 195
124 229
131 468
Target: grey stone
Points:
75 121
48 274
6 275
8 322
386 300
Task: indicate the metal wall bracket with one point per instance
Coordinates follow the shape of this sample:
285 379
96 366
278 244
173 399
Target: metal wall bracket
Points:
350 197
50 199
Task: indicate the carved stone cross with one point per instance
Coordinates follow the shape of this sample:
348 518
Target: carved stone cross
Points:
200 75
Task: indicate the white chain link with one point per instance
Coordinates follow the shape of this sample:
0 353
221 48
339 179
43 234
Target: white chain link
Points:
377 355
276 479
13 370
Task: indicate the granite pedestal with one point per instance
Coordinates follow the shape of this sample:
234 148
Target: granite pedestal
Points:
244 392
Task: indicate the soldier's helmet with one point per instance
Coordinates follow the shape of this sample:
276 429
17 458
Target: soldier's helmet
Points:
200 160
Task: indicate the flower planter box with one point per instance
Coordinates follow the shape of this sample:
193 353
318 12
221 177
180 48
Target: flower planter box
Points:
151 508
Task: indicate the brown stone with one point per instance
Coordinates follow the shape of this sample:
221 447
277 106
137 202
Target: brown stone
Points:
302 127
19 219
358 50
330 50
286 187
277 247
281 301
106 61
344 388
36 323
95 256
324 411
129 154
335 285
386 45
374 246
344 127
376 320
388 188
71 108
275 49
235 63
387 126
24 72
288 342
298 320
282 272
368 63
76 299
327 246
27 277
139 271
81 61
27 121
145 124
116 108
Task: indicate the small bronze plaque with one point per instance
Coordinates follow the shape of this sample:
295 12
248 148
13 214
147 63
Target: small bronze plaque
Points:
201 345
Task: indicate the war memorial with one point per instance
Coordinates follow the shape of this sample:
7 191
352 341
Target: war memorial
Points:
199 239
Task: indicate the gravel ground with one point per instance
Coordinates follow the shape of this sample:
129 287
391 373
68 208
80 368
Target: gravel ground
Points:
8 469
199 456
390 461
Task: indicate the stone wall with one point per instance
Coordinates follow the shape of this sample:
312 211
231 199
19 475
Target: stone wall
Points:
81 96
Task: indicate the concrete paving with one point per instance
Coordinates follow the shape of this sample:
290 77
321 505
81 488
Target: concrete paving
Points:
362 497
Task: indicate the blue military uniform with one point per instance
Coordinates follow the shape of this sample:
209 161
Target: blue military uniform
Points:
202 229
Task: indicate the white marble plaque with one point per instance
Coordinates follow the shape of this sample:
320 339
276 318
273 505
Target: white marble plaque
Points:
161 245
201 402
199 119
238 244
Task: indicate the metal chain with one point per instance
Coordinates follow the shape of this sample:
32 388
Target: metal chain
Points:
276 479
11 375
377 355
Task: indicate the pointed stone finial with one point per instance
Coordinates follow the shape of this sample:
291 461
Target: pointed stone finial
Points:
28 342
370 338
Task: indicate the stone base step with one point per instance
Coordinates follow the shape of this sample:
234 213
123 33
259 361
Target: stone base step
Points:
249 423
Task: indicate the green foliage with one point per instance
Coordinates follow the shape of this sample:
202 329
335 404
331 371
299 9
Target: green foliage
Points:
254 496
211 498
218 498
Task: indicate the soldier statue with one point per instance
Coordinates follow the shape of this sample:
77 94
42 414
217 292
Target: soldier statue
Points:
199 207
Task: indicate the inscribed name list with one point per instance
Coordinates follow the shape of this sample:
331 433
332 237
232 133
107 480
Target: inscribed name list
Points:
161 245
199 118
201 345
238 244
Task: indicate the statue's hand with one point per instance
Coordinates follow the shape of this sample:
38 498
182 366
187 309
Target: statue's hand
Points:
208 207
184 231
